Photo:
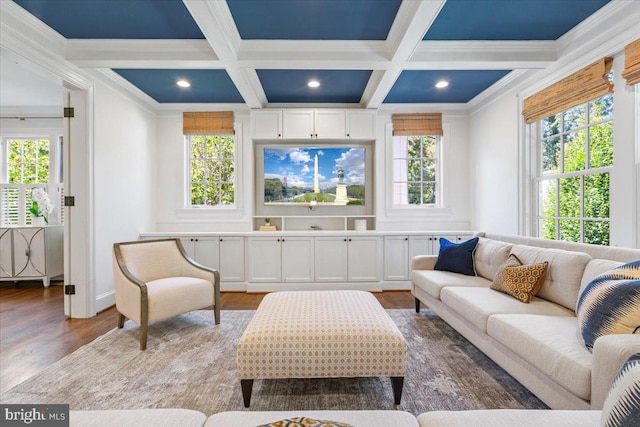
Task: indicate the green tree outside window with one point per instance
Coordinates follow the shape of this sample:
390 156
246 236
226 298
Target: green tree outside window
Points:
212 170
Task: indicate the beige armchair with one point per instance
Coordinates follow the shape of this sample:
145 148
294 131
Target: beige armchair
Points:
156 279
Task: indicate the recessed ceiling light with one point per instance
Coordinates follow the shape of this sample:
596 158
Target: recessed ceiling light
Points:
313 83
183 83
442 84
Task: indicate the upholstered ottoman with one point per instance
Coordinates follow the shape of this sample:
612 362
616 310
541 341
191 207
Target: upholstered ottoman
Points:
321 334
354 418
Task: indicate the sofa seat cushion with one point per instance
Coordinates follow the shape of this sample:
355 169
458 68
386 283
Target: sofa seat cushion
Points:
564 274
157 417
551 344
171 296
477 304
510 418
373 418
433 281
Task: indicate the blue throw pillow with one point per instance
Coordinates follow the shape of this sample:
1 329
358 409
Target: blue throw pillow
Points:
457 257
610 304
622 406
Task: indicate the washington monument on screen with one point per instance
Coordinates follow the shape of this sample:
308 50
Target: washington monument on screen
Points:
316 186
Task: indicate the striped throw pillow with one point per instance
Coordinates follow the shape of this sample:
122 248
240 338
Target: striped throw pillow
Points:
610 304
622 405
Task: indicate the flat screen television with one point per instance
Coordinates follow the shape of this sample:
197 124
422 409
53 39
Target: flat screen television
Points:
318 176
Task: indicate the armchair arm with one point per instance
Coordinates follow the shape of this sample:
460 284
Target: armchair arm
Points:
609 353
131 293
424 262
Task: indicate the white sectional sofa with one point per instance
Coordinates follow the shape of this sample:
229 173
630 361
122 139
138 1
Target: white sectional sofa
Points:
537 343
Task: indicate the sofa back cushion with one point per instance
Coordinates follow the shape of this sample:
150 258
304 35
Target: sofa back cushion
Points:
490 256
564 273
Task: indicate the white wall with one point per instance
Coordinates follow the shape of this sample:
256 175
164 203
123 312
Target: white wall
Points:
123 173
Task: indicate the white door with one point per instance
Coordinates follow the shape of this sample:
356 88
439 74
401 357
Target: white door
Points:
361 124
364 259
232 259
331 259
396 257
297 124
297 259
264 258
330 124
266 124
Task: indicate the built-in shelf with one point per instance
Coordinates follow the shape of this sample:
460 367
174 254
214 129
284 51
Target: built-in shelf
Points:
316 223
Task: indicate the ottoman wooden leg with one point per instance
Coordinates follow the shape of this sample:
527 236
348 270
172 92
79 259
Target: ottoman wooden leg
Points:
247 386
396 385
417 305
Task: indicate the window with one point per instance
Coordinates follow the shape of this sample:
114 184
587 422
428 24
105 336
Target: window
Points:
416 170
211 170
575 152
26 166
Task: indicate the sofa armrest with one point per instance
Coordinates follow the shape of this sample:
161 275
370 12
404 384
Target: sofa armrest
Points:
424 262
609 353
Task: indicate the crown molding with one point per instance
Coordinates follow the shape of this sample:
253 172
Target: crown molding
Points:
497 90
14 20
31 111
121 85
116 53
168 109
452 109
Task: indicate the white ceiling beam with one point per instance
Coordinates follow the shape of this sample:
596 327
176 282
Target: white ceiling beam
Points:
109 53
409 27
216 23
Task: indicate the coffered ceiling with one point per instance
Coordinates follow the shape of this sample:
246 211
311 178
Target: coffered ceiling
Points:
262 53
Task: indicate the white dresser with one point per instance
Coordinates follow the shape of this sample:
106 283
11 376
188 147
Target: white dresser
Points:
31 253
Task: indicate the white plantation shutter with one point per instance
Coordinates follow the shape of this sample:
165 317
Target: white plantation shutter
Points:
9 206
15 201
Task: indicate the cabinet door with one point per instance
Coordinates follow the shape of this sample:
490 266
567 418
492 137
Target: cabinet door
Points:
436 242
420 245
204 250
297 259
266 124
331 259
330 124
28 252
297 124
361 124
396 258
232 259
264 258
364 255
6 254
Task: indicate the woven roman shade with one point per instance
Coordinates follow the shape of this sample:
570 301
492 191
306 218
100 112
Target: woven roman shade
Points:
582 86
632 63
417 124
203 123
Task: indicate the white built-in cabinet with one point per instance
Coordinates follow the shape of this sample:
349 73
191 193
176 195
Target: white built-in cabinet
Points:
396 254
225 254
31 253
313 124
353 259
281 259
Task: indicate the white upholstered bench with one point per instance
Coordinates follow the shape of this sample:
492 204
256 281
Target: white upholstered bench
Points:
321 334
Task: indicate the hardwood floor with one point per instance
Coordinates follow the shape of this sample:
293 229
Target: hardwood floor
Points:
35 333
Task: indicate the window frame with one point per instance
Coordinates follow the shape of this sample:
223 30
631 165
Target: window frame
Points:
537 176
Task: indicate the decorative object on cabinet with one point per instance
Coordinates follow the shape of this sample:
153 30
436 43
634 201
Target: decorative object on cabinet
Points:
41 207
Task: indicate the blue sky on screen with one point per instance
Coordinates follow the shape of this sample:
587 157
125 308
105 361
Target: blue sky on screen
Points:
296 163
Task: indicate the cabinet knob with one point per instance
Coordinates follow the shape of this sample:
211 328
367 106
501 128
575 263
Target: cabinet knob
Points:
191 240
349 239
348 135
26 252
316 135
311 136
345 240
279 135
221 240
196 240
278 240
406 238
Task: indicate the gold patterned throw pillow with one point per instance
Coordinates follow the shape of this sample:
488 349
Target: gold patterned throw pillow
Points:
518 280
305 422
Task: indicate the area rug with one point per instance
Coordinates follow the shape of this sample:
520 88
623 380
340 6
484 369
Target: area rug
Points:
190 363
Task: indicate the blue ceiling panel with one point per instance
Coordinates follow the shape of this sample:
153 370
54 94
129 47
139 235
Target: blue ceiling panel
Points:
419 86
207 86
336 86
509 19
314 19
116 19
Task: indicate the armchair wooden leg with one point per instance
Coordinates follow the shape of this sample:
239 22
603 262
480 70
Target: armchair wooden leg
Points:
216 313
144 329
121 320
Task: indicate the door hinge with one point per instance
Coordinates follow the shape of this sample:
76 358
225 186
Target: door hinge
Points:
70 289
69 201
68 112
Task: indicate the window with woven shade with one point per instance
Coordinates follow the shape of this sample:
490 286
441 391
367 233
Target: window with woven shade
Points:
211 158
631 70
572 135
416 159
